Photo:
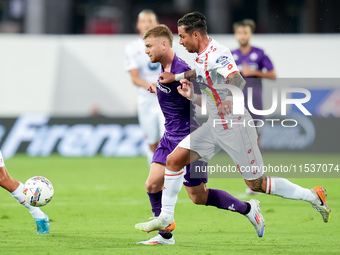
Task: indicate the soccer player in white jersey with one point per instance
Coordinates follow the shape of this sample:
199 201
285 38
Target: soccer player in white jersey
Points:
143 73
215 63
16 189
180 120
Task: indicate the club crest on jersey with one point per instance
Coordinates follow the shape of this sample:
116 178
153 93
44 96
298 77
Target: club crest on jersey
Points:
200 79
163 88
223 60
153 66
199 60
253 56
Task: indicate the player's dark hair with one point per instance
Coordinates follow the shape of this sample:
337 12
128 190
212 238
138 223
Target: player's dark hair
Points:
193 21
148 11
159 31
245 23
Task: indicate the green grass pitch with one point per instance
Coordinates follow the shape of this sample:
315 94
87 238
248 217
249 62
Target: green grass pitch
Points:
98 200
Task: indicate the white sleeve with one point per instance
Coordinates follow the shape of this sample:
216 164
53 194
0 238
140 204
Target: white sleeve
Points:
130 62
225 63
2 162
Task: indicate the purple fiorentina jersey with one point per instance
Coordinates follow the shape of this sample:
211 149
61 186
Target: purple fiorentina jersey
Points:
256 59
179 112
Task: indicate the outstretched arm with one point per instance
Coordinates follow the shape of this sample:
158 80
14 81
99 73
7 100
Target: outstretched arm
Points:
167 77
137 80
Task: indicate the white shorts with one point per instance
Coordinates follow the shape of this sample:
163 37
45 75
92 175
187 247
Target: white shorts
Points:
239 142
2 162
151 119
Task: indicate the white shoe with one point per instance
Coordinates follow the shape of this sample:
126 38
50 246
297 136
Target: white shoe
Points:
255 216
320 203
158 240
157 223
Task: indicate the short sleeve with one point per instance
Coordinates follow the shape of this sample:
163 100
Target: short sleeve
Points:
267 63
130 62
225 63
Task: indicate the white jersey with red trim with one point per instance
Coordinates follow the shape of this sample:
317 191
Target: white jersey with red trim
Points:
214 64
2 162
235 137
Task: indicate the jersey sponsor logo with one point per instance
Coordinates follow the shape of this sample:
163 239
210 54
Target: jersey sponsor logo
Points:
153 66
230 66
252 66
223 60
163 88
231 207
321 202
253 56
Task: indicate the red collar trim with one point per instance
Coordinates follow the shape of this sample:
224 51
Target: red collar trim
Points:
205 47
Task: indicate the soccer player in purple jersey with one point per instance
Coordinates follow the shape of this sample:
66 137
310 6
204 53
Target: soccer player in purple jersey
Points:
216 62
180 120
253 64
16 188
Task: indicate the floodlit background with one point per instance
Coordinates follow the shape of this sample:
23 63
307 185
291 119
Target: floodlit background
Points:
63 62
68 111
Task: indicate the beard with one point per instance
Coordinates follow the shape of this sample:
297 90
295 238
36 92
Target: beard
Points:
190 49
156 58
245 44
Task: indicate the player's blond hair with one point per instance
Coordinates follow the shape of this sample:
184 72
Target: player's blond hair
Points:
245 23
160 31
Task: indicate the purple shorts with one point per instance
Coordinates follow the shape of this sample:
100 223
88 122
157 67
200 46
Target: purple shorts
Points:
166 145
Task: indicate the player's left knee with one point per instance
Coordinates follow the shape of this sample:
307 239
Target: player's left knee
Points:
152 187
173 163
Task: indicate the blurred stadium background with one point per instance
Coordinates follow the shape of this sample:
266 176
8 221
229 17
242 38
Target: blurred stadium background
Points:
64 88
64 91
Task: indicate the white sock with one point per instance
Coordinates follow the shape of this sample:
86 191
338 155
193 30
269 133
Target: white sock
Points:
19 196
173 182
283 188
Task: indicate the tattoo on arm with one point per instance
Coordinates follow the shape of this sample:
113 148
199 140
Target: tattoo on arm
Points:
191 74
237 80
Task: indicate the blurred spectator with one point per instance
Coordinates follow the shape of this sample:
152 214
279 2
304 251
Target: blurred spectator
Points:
253 64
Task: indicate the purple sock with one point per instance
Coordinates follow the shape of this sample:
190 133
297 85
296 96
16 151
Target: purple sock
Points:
223 200
156 202
156 205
